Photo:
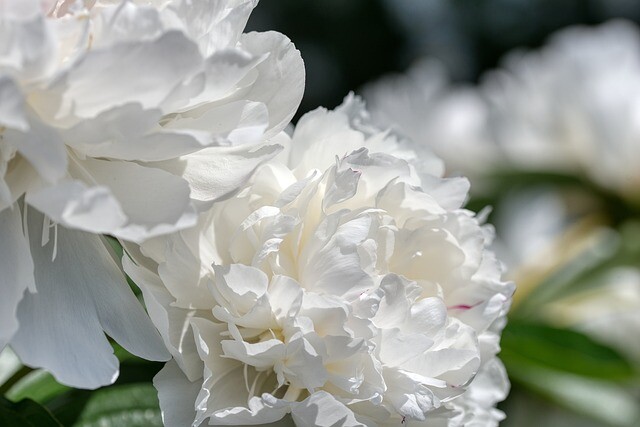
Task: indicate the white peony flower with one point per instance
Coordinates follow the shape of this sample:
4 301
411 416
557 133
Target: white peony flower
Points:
120 118
344 285
571 107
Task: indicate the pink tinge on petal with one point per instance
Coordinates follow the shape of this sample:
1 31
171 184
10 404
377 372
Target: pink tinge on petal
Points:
464 307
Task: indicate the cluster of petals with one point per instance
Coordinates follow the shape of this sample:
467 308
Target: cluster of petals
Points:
343 285
123 118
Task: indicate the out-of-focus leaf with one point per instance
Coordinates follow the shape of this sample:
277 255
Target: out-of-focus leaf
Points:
609 251
38 385
599 399
41 386
616 208
9 365
131 405
25 413
540 346
118 251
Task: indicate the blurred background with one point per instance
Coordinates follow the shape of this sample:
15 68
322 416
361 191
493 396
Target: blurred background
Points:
346 44
538 103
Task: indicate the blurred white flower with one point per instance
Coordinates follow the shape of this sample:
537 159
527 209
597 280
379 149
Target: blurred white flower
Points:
344 285
450 121
120 118
573 106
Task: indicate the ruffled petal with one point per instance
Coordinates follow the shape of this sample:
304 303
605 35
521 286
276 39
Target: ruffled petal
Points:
280 83
177 396
80 294
154 201
136 71
42 147
323 410
73 204
17 271
216 172
172 322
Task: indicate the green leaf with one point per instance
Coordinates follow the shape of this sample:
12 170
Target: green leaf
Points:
599 399
535 345
130 405
118 252
611 250
25 413
38 385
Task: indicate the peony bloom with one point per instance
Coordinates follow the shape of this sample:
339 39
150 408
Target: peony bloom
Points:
344 285
573 107
119 118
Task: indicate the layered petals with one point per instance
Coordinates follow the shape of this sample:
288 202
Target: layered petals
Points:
329 290
128 119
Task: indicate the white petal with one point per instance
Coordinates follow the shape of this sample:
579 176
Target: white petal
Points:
128 72
12 105
177 395
154 201
73 204
125 23
42 147
79 294
322 410
172 322
319 137
280 83
216 172
182 272
28 46
18 179
215 25
225 73
232 123
450 193
332 266
130 132
17 270
237 286
285 296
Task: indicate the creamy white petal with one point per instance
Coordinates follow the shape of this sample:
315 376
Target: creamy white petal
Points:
172 322
73 204
12 105
280 83
17 270
323 410
41 146
130 132
214 173
80 294
177 396
215 25
154 201
136 71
